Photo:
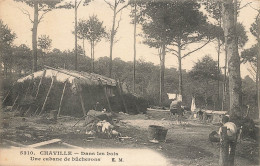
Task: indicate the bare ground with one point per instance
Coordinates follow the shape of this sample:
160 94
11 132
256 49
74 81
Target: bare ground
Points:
186 144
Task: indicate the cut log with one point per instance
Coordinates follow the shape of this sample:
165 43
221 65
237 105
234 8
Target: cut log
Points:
37 145
53 114
71 146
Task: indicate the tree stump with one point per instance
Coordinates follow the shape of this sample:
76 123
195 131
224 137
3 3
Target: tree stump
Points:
53 114
224 148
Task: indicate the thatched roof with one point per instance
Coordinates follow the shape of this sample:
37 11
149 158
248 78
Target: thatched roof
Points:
62 75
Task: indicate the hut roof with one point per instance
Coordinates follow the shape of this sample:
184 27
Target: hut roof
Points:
62 75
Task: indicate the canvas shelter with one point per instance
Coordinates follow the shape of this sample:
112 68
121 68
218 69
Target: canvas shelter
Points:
174 96
67 91
215 116
193 105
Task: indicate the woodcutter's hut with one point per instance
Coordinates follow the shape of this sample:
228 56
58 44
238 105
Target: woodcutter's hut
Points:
71 93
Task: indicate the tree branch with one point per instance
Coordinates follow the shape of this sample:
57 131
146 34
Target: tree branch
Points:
110 5
196 49
253 67
191 42
170 49
245 5
122 8
118 23
175 55
252 74
196 39
254 8
42 16
79 4
26 13
174 43
40 9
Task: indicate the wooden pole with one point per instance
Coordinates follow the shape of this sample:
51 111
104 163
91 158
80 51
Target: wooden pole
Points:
108 102
62 97
44 72
27 110
36 111
14 103
137 108
223 156
30 81
105 90
6 96
82 104
44 103
20 110
247 111
120 92
81 99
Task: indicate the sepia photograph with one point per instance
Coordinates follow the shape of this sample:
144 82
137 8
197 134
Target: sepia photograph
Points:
129 82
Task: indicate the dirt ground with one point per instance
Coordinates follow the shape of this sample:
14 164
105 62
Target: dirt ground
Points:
185 144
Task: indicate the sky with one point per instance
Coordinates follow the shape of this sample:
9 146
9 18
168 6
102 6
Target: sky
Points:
59 24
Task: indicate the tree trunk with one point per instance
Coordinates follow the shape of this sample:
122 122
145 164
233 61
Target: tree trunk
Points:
112 42
83 44
218 93
134 50
233 57
93 54
225 81
219 71
34 35
162 74
257 82
180 69
5 70
76 31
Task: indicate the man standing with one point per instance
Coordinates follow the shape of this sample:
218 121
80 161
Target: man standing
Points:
175 109
228 141
231 129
